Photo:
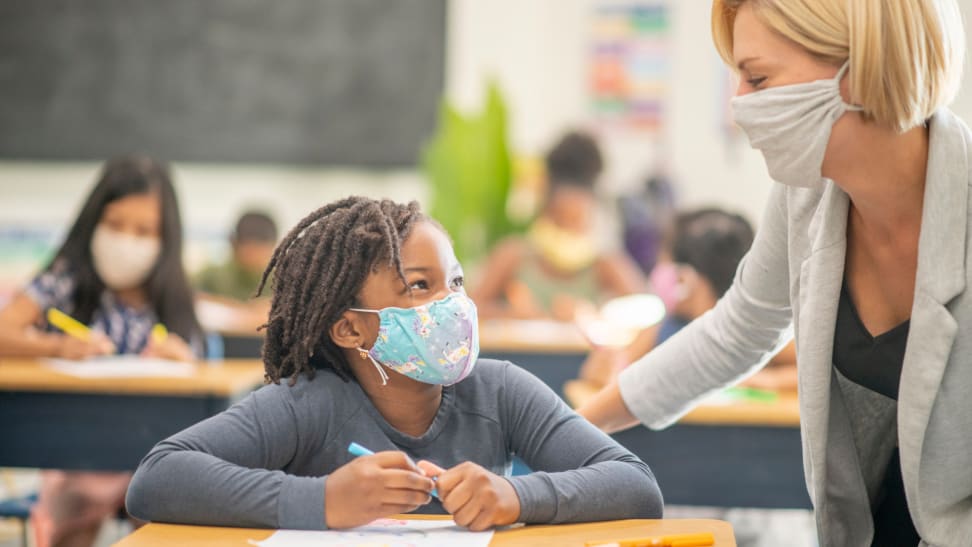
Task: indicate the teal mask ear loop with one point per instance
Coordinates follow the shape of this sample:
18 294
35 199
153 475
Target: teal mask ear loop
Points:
381 370
365 354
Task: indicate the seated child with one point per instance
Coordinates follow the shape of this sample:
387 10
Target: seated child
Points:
376 342
558 266
119 272
231 285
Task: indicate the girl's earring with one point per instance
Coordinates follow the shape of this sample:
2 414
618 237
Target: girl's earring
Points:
363 353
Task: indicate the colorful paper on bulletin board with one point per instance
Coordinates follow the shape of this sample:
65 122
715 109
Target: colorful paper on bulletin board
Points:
630 64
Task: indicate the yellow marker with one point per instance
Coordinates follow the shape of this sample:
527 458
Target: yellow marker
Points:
159 334
678 540
68 324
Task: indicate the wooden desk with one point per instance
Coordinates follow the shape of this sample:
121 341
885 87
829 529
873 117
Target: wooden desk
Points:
562 535
53 420
745 454
784 411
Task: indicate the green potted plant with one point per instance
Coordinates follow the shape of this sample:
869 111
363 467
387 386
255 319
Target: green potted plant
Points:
469 170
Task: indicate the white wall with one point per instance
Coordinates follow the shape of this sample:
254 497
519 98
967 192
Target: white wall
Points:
41 195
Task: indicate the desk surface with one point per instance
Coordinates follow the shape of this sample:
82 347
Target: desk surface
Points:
563 535
784 411
210 378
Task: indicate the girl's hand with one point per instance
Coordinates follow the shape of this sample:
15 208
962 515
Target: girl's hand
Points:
371 487
173 347
476 498
69 347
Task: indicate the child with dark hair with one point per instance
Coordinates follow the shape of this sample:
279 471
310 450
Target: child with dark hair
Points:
120 272
252 241
371 339
559 264
230 287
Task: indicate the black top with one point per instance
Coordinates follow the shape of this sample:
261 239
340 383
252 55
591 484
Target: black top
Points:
875 362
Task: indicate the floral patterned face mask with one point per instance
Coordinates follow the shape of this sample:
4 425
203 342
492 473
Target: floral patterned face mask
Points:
436 343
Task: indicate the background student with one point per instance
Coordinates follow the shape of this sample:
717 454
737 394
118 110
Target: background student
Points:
237 278
559 263
696 270
372 339
232 284
119 272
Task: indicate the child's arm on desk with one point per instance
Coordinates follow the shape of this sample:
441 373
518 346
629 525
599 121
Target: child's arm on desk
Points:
228 471
583 474
18 337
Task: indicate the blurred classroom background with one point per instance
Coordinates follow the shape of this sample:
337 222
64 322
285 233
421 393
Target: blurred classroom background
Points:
642 76
281 107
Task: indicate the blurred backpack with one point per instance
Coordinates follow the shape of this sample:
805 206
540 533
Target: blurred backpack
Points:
645 220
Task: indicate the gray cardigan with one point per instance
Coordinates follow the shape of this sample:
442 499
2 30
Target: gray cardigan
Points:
264 462
792 277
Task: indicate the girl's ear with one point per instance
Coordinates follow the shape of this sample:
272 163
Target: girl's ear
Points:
349 331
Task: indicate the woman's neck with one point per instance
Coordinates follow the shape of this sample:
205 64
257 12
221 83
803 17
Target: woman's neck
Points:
883 172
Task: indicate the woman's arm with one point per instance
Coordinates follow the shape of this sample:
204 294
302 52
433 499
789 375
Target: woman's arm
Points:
581 473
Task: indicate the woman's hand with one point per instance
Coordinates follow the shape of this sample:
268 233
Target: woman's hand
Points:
476 498
371 487
173 347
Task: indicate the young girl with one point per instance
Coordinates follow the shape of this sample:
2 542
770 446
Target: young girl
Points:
120 272
377 343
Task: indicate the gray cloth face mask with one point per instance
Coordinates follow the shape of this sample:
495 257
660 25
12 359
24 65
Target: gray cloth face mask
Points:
791 126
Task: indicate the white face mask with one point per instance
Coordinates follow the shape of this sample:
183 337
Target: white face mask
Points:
123 261
791 126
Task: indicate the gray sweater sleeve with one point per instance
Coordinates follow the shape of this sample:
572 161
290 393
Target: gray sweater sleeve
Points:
218 472
587 475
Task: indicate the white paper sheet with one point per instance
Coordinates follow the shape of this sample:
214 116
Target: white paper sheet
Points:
385 533
122 366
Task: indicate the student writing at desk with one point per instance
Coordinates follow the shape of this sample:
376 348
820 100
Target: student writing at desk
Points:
233 283
558 265
372 339
119 272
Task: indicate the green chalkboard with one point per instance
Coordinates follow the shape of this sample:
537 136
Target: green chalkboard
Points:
335 82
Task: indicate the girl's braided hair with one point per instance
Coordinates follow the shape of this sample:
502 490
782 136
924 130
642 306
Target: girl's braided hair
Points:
318 270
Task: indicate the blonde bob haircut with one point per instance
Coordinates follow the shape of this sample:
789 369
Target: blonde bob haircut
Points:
905 56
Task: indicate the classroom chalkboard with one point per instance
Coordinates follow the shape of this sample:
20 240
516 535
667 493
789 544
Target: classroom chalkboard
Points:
335 82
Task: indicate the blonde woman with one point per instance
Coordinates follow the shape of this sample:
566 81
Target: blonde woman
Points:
863 251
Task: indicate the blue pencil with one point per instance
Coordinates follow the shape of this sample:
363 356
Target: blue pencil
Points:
358 450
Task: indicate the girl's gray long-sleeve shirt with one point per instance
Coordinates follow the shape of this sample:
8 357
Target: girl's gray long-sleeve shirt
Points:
264 462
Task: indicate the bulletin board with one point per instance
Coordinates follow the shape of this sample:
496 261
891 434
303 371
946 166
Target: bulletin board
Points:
630 58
